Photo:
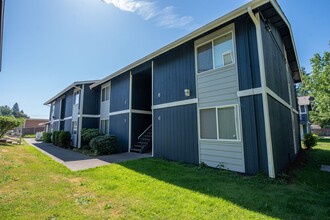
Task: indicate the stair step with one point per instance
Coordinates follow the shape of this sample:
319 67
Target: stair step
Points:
135 150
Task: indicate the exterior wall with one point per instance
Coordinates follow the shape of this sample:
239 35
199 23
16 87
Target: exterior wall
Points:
68 104
91 101
252 115
68 125
174 72
285 142
90 122
57 110
119 94
119 126
282 138
216 88
175 133
175 128
276 72
247 53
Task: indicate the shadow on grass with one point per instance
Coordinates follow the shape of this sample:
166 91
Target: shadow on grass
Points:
275 198
324 140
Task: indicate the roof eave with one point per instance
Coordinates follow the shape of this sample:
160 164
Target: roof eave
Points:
72 85
281 13
222 20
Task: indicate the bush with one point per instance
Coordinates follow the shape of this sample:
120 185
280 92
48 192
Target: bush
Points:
64 139
105 144
55 137
47 137
310 140
87 134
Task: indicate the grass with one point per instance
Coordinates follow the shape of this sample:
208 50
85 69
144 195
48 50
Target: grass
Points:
30 136
32 186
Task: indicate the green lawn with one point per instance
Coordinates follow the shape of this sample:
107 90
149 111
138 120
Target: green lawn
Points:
32 186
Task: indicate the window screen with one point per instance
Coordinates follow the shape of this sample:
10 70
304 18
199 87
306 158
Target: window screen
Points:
208 124
227 124
204 57
223 48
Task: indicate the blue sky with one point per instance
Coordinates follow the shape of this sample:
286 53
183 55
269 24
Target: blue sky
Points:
49 44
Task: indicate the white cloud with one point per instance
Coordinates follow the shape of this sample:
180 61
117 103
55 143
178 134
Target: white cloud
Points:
168 18
165 17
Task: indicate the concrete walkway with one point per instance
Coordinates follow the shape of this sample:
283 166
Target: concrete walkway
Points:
77 161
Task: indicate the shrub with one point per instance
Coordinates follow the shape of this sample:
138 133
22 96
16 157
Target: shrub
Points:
47 137
55 137
105 144
64 139
310 140
87 134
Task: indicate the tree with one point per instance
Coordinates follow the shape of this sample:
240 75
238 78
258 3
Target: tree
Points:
317 84
301 88
9 123
17 113
5 111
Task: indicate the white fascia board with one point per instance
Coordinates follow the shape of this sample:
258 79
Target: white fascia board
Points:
71 86
222 20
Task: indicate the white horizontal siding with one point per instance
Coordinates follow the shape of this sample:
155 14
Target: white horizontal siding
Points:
75 112
218 88
105 109
228 155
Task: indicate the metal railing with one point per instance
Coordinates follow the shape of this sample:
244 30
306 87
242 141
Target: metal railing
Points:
145 131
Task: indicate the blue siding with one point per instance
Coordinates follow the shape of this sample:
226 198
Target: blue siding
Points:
253 126
57 109
119 95
247 53
119 126
67 125
140 122
68 104
174 72
175 133
276 72
91 101
282 134
90 122
55 126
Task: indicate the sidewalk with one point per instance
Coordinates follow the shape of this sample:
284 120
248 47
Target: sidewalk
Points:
76 161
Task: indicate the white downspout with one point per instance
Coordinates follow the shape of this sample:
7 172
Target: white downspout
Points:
270 158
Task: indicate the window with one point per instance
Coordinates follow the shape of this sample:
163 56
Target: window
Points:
208 124
216 53
219 123
76 98
105 126
302 109
74 127
105 94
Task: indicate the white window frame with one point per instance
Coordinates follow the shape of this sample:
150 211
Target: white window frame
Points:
237 124
105 88
108 125
233 52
